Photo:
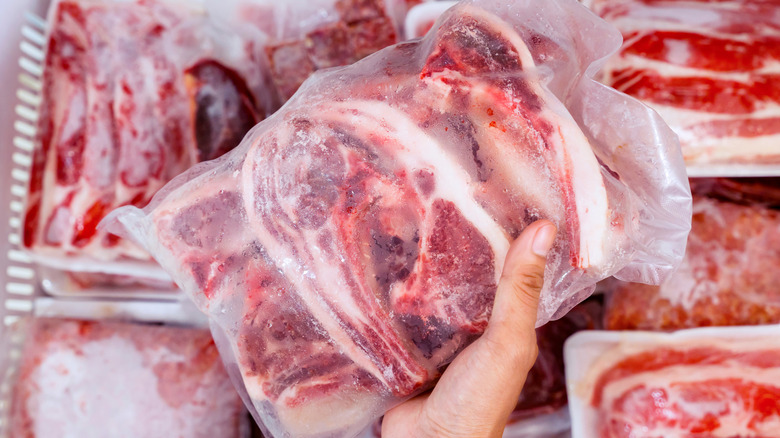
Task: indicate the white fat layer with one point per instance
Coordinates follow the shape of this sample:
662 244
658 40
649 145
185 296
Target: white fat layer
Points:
721 148
574 155
675 66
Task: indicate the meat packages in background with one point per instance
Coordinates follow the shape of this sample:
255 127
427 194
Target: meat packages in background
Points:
729 275
709 68
308 35
351 246
716 382
110 379
134 93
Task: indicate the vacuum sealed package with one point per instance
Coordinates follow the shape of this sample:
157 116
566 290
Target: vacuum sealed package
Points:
133 93
98 379
351 246
307 35
710 69
729 275
713 382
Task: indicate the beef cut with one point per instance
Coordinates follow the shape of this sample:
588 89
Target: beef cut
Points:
351 247
307 35
134 93
710 68
729 275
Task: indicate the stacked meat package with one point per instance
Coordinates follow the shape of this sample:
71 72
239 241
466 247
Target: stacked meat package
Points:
662 368
295 214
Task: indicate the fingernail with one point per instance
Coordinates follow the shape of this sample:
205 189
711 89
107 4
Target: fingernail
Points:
543 240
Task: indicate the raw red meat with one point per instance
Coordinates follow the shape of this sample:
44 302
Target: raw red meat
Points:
729 275
351 247
705 389
92 379
710 68
134 93
353 30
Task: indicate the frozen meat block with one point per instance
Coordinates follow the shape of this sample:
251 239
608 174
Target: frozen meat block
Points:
351 246
709 68
134 93
729 275
109 379
716 382
308 35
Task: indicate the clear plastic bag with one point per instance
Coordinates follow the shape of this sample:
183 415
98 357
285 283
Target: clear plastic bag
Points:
351 246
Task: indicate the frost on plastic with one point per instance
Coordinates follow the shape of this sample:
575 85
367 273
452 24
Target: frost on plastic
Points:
96 379
729 275
351 246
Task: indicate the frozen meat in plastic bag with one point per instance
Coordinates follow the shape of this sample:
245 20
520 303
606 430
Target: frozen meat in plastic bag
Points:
91 379
351 246
134 93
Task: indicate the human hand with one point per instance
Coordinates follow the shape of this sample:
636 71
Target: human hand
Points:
480 388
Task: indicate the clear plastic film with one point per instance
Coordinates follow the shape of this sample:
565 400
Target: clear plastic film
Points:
350 247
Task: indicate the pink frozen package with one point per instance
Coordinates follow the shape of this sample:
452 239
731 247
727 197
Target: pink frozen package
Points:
714 382
709 68
350 247
99 379
134 93
729 275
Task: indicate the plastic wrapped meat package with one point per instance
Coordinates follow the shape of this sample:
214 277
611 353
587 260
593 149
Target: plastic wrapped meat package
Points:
134 93
711 70
350 247
308 35
111 379
729 275
716 382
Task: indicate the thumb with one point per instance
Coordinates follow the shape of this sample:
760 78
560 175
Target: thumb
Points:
517 297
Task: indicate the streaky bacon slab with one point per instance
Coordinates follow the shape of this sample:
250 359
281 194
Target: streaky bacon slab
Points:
711 69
